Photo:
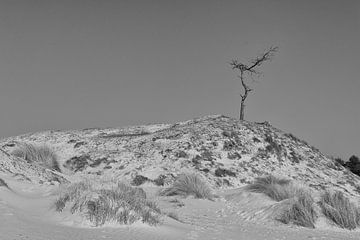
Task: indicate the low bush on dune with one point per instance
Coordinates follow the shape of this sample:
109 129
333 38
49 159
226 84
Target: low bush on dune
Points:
189 184
42 155
108 201
301 211
338 208
274 187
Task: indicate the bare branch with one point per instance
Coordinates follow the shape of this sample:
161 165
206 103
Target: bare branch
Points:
267 55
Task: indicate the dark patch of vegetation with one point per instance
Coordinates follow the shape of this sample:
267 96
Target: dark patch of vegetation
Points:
160 180
181 154
338 208
293 137
79 144
294 157
339 162
256 140
273 146
222 172
207 155
120 135
77 163
41 155
353 165
196 160
229 145
226 134
139 180
189 184
98 161
233 155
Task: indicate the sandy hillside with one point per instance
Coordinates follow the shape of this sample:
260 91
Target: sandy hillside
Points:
228 154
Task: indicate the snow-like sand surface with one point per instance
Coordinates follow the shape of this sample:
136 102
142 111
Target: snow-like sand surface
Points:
26 213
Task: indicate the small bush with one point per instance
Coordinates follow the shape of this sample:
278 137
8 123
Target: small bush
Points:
42 155
301 211
340 210
108 201
354 165
276 188
189 184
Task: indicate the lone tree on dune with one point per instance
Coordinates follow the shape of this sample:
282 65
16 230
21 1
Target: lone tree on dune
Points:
249 70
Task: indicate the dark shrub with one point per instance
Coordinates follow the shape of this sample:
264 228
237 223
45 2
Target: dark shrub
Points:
138 180
354 165
222 172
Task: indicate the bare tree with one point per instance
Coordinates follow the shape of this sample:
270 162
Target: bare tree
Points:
249 70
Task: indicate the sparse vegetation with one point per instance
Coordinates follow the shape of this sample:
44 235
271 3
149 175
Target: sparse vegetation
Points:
301 211
108 201
189 184
338 208
42 155
120 135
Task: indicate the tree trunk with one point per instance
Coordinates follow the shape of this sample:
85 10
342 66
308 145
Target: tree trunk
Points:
242 109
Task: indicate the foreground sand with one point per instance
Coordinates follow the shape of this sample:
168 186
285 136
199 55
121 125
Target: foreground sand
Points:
26 213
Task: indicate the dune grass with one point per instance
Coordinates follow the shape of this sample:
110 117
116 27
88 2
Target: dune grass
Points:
108 201
189 184
274 187
301 211
338 208
42 155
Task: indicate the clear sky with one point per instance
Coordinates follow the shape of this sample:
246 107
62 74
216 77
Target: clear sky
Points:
79 64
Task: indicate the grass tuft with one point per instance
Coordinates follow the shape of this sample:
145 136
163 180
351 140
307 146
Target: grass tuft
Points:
189 184
42 155
107 201
340 210
274 187
301 211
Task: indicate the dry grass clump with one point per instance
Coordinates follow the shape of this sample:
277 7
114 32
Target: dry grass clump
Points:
108 201
340 210
42 155
189 184
301 211
274 187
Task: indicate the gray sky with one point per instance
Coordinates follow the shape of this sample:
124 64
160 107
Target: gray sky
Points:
78 64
